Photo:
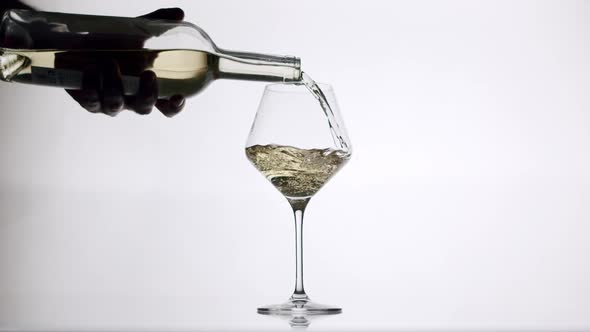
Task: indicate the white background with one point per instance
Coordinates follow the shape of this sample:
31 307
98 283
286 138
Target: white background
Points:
465 206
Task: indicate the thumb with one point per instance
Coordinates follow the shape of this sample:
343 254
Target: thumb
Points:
174 14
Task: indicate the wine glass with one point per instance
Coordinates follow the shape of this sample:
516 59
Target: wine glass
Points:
298 142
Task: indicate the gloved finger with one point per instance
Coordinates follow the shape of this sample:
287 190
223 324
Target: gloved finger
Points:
174 14
88 97
171 107
147 95
17 38
111 94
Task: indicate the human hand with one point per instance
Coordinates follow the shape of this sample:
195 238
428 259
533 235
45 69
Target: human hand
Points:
102 85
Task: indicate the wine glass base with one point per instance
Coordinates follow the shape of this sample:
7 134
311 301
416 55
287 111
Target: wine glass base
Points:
299 307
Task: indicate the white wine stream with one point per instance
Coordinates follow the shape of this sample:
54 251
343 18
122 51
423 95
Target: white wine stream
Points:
337 132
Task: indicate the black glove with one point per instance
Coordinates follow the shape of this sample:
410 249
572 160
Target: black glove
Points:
108 97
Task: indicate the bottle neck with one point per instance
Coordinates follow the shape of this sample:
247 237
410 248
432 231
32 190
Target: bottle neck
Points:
258 67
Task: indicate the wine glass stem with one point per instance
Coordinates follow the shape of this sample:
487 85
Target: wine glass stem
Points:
299 293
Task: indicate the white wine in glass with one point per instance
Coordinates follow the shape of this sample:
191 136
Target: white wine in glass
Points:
298 144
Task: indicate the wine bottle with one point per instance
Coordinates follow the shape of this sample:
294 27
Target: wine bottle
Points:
55 49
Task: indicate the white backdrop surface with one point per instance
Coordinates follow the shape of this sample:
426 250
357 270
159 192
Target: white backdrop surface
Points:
466 204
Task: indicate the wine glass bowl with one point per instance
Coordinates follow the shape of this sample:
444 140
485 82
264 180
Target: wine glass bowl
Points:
298 142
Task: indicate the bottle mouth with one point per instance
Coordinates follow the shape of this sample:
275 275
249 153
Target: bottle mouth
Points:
296 62
296 74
